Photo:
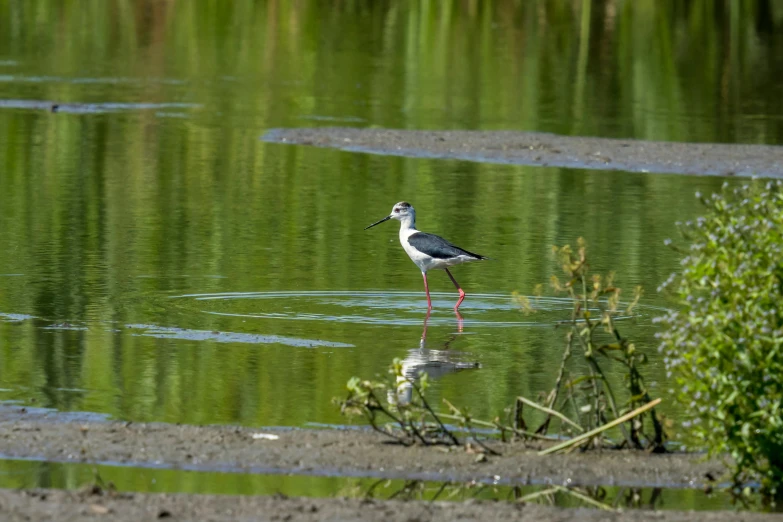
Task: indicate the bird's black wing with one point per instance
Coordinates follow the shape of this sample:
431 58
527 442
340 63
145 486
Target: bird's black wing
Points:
437 247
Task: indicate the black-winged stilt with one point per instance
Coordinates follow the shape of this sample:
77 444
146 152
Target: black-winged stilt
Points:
428 251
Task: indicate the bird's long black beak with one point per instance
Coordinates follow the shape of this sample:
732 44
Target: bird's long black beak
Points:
387 218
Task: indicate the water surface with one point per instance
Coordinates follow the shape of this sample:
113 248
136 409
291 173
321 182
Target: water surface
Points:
34 474
159 262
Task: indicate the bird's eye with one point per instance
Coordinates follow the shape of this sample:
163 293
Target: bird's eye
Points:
396 211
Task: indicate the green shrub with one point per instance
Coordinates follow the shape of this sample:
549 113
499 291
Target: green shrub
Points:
723 343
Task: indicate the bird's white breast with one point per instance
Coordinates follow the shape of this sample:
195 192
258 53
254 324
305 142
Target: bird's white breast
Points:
424 261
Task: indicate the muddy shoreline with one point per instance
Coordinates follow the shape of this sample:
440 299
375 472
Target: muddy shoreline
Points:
38 434
47 435
547 150
68 505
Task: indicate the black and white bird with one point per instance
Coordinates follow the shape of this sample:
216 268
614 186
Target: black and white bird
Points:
428 251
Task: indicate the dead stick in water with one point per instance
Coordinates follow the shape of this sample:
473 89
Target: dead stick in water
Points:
584 498
542 493
493 425
550 411
590 434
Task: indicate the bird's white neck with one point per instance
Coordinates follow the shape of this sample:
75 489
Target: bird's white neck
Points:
408 223
407 227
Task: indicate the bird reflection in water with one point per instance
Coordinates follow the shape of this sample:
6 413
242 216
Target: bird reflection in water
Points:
435 362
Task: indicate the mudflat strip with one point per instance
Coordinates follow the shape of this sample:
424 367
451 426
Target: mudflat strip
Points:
549 150
41 434
45 434
69 506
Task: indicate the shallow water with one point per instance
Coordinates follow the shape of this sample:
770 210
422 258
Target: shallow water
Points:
159 262
16 474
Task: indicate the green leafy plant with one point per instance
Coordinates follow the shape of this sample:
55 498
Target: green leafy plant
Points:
723 343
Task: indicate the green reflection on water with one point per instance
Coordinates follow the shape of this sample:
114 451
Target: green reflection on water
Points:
656 69
108 215
17 474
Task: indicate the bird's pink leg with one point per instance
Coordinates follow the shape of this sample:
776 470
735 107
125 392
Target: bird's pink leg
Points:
460 320
461 291
424 333
427 290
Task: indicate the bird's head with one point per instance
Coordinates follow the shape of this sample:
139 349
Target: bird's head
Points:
401 211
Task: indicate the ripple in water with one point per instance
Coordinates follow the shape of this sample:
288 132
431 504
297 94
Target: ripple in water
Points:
165 332
387 308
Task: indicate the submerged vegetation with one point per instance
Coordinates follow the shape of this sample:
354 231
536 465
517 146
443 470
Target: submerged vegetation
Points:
723 342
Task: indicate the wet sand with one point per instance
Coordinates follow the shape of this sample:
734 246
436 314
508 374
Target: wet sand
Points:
548 150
